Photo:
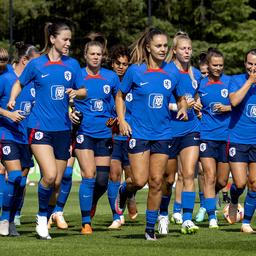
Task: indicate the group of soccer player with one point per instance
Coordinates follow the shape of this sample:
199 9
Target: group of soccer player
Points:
165 115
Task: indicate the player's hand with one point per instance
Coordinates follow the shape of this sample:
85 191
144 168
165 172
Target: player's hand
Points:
182 114
11 104
71 93
74 118
15 116
125 128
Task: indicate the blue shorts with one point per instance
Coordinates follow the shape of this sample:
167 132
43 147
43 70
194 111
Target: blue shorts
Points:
120 152
154 146
15 151
100 146
179 143
244 153
60 141
214 149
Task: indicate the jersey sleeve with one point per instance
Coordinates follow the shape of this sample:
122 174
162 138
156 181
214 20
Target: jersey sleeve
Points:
179 88
234 84
2 87
126 84
78 77
28 74
116 85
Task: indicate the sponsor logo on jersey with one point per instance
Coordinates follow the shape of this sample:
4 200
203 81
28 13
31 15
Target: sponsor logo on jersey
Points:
39 135
132 143
129 97
6 150
155 100
232 151
96 105
143 83
224 93
106 89
167 84
25 107
80 139
68 75
57 92
213 109
44 75
203 147
251 110
194 84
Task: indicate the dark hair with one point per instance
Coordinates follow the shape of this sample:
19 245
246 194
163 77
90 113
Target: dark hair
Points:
213 52
139 53
252 51
23 50
202 59
52 29
118 51
4 56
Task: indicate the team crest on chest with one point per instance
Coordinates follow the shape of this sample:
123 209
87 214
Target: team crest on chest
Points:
106 89
39 135
167 84
129 97
33 92
6 150
224 93
67 75
194 84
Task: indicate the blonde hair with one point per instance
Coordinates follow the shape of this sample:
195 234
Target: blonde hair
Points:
139 53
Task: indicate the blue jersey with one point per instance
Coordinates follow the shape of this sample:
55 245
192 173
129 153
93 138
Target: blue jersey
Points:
188 88
51 79
151 90
10 130
214 124
97 108
243 116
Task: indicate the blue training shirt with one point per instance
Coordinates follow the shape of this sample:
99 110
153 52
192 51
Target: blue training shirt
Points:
189 89
243 116
214 124
151 90
97 108
51 79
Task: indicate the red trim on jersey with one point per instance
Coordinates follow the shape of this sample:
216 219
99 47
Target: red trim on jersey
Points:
183 71
98 76
213 82
150 70
49 63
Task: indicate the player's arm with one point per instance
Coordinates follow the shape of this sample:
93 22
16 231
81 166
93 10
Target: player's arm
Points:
16 89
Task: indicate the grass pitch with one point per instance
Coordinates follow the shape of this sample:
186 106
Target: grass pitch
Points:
228 240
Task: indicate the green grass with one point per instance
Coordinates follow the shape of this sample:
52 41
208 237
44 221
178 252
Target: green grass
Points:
228 240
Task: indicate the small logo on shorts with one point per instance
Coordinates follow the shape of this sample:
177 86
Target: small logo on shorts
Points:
39 135
202 147
6 150
67 75
232 152
132 143
167 84
80 139
106 89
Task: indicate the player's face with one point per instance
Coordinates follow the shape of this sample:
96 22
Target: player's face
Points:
158 47
183 51
204 70
62 41
216 66
93 56
250 64
120 65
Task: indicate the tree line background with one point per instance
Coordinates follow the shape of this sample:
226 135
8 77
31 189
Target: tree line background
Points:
229 25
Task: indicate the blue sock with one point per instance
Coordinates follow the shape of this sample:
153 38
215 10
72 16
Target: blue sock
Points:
2 182
164 205
176 207
85 198
210 206
235 193
44 195
19 198
112 194
101 182
151 219
65 189
188 202
249 206
50 210
201 197
14 178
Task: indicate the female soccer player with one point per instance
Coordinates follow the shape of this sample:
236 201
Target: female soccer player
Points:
242 95
186 134
16 155
150 127
213 93
57 78
93 145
